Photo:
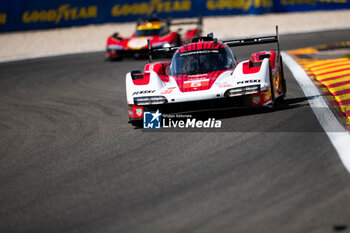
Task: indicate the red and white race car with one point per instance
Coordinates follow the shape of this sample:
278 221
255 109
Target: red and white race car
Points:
155 30
205 74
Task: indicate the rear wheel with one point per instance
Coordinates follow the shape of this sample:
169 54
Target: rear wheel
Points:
116 58
113 57
272 88
284 86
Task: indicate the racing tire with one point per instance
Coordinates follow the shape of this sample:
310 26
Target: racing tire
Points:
115 58
136 123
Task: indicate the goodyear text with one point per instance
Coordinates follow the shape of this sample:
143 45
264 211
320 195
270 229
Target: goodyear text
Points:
3 17
153 6
237 4
64 12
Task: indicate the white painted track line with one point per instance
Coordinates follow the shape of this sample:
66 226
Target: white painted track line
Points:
337 134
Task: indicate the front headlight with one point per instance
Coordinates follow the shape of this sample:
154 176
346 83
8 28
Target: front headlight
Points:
115 47
242 91
150 100
251 89
234 92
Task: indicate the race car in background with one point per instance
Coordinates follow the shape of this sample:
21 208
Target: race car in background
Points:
205 74
157 31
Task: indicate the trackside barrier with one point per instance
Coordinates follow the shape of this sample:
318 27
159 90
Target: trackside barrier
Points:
21 15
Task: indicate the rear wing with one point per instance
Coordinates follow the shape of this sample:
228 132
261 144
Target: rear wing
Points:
230 43
167 50
255 41
198 22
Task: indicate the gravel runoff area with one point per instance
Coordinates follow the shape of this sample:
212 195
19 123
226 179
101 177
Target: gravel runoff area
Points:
93 37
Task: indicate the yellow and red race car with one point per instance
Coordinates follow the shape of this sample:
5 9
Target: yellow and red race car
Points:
157 31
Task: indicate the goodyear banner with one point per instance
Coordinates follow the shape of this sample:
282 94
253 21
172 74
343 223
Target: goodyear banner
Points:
19 15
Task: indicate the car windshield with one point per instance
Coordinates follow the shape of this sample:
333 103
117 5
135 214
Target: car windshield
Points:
202 61
147 32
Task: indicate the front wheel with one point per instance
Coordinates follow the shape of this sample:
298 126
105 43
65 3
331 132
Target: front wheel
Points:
136 123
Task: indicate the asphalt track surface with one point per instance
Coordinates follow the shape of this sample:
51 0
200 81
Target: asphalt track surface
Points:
70 162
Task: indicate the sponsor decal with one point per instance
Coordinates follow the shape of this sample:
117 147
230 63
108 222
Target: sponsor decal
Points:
64 12
153 6
151 120
256 99
196 83
143 92
277 83
17 15
196 76
240 4
310 2
267 95
151 66
131 113
198 52
139 111
168 91
249 81
226 85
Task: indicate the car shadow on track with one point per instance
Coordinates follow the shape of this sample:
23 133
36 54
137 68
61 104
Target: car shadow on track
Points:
249 119
287 104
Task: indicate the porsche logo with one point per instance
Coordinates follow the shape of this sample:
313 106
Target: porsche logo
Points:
196 84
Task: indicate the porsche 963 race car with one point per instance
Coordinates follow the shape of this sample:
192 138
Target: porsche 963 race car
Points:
205 74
